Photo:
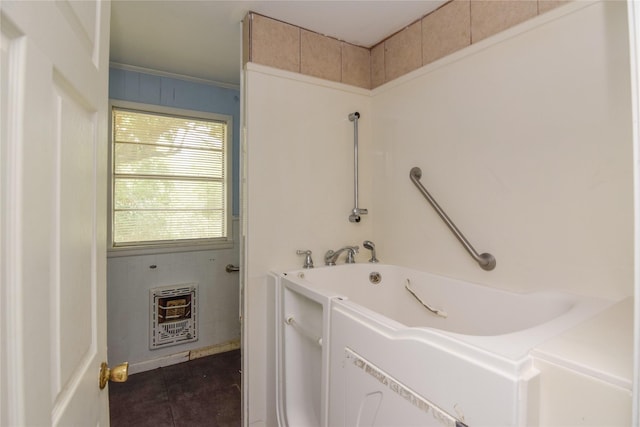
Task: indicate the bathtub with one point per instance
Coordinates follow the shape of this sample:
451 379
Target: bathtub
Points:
355 347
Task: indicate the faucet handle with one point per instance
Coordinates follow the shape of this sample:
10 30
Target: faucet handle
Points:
351 253
308 262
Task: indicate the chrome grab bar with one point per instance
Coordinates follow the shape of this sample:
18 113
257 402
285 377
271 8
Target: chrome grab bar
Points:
485 260
356 212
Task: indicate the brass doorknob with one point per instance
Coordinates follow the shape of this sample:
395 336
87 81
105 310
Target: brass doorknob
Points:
117 374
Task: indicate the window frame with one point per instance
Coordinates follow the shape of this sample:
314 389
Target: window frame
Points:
164 246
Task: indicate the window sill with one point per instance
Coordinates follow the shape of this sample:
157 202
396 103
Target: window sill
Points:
166 249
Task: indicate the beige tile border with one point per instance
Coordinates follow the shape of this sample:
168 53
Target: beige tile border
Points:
454 26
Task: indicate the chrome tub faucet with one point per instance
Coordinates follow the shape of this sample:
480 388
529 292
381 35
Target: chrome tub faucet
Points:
331 256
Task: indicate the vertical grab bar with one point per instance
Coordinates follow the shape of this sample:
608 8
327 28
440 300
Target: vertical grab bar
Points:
485 260
356 212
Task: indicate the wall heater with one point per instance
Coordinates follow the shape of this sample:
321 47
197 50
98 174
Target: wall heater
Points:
174 317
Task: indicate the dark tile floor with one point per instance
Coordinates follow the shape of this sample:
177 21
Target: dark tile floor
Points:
201 392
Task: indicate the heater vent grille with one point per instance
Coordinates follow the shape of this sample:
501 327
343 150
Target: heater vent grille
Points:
173 315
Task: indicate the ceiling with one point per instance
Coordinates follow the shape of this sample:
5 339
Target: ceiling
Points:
202 39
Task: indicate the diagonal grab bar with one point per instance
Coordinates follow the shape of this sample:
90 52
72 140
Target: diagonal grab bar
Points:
485 260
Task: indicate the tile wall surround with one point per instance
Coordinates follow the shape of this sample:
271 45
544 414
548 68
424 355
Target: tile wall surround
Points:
454 26
287 47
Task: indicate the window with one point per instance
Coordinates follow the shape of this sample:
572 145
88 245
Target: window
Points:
169 179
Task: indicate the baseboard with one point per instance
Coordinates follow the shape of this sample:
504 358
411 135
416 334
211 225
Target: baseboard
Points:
214 349
183 356
160 362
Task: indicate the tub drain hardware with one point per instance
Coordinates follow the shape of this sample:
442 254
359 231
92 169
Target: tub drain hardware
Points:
435 311
375 277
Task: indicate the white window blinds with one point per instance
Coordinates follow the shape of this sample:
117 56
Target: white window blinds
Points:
168 176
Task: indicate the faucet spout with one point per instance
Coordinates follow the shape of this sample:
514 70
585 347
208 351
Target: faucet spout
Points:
331 256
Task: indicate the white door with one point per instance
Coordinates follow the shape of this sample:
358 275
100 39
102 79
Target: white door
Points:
633 9
53 159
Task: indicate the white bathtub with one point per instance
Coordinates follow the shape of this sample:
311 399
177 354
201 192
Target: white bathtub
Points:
374 355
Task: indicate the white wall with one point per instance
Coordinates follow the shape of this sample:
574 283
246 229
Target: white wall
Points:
299 194
130 278
525 141
299 166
